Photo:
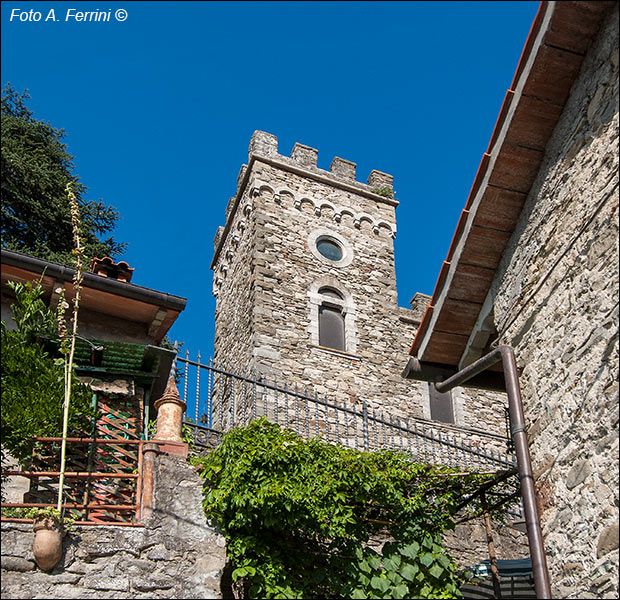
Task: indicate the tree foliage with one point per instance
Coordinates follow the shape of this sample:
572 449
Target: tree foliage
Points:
33 381
35 171
300 517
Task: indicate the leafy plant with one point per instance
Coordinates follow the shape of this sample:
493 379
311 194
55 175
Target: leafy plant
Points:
386 191
33 383
35 170
299 517
35 513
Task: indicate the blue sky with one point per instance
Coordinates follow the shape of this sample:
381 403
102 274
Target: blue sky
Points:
159 108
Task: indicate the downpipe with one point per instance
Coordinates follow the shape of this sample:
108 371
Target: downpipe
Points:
506 355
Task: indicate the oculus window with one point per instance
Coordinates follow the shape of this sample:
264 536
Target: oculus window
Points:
329 248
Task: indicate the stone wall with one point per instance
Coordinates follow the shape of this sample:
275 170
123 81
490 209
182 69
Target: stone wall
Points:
268 272
177 554
468 545
556 302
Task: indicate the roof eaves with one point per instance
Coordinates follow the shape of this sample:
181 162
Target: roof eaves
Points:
97 282
504 151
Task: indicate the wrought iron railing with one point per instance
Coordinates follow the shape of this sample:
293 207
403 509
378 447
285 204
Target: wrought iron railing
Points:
219 399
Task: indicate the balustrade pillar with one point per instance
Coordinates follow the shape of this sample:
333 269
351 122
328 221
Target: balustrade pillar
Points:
170 409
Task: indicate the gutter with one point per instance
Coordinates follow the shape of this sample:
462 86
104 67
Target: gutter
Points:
506 355
92 281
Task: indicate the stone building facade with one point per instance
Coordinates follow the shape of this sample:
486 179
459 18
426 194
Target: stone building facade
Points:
555 299
306 288
547 188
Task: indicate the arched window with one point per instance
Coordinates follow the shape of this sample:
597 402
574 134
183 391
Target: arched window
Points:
331 319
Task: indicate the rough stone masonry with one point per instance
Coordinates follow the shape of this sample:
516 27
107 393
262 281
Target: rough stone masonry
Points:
270 280
556 302
177 554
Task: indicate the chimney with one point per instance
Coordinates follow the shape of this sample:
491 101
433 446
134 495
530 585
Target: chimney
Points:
106 267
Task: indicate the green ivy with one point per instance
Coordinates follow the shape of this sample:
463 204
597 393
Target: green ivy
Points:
300 517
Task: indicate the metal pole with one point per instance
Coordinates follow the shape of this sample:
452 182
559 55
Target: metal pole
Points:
524 463
492 556
526 476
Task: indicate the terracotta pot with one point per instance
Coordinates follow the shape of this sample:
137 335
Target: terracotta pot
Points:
47 546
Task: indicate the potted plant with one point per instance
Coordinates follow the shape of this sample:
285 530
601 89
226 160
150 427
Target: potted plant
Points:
49 530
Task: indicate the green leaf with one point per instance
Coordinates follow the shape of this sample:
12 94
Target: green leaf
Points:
374 561
364 566
392 562
400 591
409 571
427 559
394 577
444 561
410 550
436 571
380 583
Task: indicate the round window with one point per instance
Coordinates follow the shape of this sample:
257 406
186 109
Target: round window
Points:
329 249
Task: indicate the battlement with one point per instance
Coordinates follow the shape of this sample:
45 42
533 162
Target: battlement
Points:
265 145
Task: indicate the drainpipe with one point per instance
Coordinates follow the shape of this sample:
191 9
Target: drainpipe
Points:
505 354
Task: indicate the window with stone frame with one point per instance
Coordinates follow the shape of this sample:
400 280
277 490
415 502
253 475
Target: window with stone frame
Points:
441 405
331 320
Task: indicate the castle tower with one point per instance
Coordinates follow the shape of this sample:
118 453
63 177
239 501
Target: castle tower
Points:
305 282
306 302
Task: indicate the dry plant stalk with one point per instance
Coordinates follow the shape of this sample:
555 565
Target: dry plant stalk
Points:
77 282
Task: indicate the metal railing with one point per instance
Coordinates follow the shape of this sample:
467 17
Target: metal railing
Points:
102 479
224 399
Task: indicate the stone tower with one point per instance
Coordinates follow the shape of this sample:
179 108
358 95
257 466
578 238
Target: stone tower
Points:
305 282
306 287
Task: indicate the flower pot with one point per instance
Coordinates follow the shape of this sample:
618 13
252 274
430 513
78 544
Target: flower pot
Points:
47 546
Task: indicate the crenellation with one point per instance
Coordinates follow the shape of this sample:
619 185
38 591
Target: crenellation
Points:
229 206
263 144
344 169
305 156
240 176
377 180
218 237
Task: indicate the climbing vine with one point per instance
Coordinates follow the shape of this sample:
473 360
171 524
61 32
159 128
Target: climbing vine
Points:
305 519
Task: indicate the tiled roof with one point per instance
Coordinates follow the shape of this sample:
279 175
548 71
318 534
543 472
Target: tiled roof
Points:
560 36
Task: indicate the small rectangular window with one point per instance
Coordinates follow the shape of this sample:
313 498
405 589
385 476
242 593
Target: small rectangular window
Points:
331 328
441 405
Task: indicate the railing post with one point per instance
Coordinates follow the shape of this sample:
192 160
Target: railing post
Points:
365 413
149 451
